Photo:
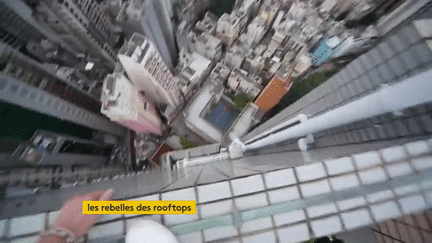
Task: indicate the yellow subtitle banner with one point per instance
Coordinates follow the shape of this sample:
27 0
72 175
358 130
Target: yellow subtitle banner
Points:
139 207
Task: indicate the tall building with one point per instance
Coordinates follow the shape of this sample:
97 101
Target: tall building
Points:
53 33
123 104
149 73
17 26
82 26
29 84
158 27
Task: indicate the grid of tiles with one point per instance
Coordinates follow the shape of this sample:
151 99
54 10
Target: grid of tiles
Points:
306 201
404 52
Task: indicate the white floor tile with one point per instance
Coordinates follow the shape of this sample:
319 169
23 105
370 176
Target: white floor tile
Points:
27 224
366 159
183 194
393 154
356 218
251 202
422 163
284 195
372 176
289 218
218 208
417 148
106 230
339 166
399 169
191 238
32 239
351 203
174 219
255 225
292 234
412 204
321 210
385 211
247 185
267 237
219 233
326 226
315 188
310 172
213 192
279 178
344 182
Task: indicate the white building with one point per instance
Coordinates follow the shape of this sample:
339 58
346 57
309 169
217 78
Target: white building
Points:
269 10
210 94
204 44
229 27
297 11
250 7
234 57
303 64
149 73
254 61
242 82
184 35
208 24
195 69
208 46
278 20
220 73
255 32
123 104
190 10
328 6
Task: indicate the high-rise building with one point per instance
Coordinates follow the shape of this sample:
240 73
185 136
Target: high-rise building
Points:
80 25
158 27
29 84
149 73
123 104
17 26
48 32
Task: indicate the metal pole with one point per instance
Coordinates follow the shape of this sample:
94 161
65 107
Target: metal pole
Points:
389 98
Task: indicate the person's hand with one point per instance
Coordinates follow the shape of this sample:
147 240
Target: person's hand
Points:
71 216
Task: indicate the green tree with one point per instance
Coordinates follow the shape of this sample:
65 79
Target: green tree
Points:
219 7
188 144
241 101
